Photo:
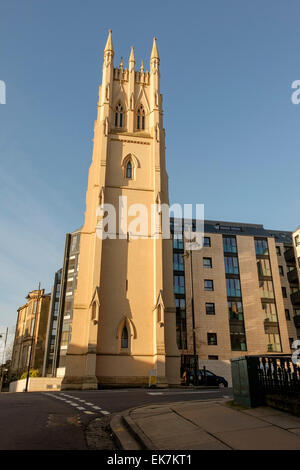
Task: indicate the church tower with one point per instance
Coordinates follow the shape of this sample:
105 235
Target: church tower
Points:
124 317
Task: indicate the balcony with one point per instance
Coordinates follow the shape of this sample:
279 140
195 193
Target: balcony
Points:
289 255
297 321
295 298
293 275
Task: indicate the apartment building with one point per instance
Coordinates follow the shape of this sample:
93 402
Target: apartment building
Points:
65 308
49 365
234 296
31 329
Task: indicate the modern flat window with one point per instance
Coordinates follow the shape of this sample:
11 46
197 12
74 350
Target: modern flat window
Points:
178 242
238 341
297 240
212 339
208 284
278 251
266 289
180 303
207 263
284 294
291 340
210 308
229 244
263 267
281 272
299 261
213 358
261 246
233 287
231 265
273 342
269 312
287 314
179 284
206 241
178 263
235 309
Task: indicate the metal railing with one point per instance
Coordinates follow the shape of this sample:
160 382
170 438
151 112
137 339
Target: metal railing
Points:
278 375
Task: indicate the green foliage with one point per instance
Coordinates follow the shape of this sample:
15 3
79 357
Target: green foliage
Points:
32 373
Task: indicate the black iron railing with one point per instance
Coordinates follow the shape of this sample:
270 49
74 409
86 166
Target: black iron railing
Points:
278 375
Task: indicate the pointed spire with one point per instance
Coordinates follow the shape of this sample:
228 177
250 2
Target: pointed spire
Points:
121 63
131 58
154 53
142 66
109 45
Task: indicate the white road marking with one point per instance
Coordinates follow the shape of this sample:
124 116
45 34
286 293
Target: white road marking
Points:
96 407
89 412
183 392
225 396
105 412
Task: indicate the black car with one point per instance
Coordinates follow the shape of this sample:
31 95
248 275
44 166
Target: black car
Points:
206 377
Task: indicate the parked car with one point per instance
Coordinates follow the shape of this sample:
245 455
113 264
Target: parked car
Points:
206 377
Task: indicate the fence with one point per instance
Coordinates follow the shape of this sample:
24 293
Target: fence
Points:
267 379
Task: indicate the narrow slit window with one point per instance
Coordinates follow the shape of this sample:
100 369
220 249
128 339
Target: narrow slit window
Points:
124 339
129 170
119 116
140 123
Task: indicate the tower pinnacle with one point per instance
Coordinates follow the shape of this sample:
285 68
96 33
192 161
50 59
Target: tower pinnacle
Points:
109 45
132 58
154 53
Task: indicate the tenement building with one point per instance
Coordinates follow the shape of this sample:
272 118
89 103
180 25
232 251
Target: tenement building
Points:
124 316
31 330
236 295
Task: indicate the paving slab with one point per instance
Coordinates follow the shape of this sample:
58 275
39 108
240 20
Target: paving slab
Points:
283 420
196 440
170 431
264 438
218 417
261 411
295 431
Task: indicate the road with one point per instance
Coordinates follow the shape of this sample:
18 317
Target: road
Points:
59 420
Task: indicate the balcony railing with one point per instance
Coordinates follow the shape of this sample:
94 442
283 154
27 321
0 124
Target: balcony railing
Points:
297 321
293 275
289 255
295 298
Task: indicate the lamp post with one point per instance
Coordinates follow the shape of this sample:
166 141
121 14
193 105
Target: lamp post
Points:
3 358
32 338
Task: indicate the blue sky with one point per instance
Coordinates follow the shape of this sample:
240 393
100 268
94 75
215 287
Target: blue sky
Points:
233 135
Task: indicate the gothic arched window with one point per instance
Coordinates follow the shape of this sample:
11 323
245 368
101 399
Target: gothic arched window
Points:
129 170
140 122
124 338
119 115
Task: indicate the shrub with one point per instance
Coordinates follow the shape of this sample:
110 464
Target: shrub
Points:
32 373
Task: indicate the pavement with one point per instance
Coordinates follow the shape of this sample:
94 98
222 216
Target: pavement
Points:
205 425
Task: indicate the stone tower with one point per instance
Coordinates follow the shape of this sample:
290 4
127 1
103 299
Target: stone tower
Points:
124 319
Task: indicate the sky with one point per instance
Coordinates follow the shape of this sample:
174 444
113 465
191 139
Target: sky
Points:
232 131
